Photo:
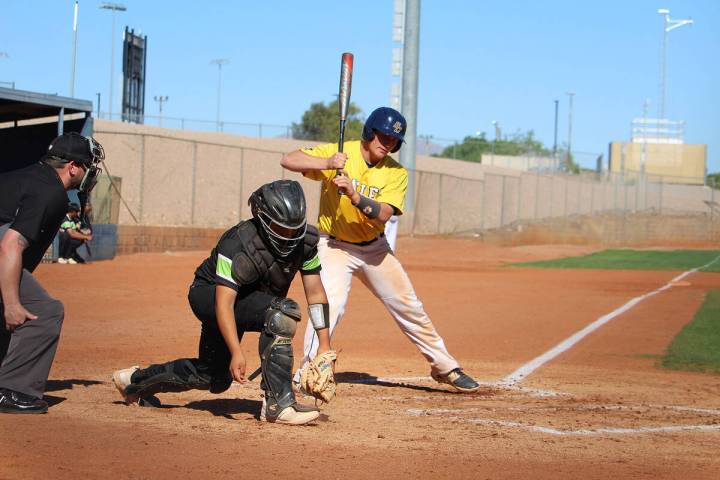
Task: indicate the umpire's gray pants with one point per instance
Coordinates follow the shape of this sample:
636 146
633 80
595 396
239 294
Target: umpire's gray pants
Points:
28 352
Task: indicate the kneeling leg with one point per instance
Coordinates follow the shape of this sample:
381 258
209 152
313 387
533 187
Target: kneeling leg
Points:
175 376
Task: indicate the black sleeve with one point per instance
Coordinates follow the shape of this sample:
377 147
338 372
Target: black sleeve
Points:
226 249
311 261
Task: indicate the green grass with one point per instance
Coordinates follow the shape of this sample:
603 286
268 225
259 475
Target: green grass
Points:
697 346
635 260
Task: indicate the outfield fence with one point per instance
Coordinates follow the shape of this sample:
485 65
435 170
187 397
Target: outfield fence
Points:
172 180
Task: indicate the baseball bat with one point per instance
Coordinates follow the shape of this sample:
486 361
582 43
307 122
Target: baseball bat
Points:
346 69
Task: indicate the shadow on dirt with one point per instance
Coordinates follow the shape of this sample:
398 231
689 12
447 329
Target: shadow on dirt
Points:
53 400
56 385
221 407
363 378
227 407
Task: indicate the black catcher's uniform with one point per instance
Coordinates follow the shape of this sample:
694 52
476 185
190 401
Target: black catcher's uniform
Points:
242 261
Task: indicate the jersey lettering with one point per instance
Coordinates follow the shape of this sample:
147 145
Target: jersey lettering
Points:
362 188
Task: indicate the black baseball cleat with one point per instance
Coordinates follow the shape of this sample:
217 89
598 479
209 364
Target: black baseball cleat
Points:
459 380
17 402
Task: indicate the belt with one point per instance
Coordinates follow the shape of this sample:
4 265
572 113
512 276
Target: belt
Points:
360 244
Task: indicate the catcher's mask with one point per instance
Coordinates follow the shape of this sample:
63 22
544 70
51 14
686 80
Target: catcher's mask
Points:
84 151
280 208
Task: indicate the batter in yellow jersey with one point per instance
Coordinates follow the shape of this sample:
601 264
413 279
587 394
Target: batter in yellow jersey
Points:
362 187
385 182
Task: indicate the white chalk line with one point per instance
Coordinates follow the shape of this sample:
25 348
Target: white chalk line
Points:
570 432
525 370
624 408
533 392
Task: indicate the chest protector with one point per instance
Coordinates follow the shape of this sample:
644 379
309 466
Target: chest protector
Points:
255 263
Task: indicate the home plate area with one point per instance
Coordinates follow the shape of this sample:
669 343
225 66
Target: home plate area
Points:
545 412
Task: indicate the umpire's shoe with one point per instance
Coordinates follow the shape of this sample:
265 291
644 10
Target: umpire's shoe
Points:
457 379
121 379
17 402
295 414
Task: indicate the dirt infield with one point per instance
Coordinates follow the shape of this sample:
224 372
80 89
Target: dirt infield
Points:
601 409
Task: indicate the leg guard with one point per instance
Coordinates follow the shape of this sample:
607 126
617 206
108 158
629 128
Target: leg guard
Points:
176 376
276 354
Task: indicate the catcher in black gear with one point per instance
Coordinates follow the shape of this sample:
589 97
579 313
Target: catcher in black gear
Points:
242 286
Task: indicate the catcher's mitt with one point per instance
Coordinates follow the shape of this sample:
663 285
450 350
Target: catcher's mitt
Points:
318 378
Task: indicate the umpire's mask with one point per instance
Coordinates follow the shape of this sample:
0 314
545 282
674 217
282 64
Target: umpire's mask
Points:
85 151
280 208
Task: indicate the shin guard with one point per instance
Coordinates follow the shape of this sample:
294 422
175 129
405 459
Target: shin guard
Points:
276 353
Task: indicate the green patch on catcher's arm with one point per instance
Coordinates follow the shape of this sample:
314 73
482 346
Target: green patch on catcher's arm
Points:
626 259
697 346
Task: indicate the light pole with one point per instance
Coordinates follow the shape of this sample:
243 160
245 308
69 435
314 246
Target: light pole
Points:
555 135
668 24
5 55
219 62
74 51
497 134
570 114
114 7
161 99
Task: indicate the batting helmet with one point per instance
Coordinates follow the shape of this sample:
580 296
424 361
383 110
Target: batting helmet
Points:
388 121
280 208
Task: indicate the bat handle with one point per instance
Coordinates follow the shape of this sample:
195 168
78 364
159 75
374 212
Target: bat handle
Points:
341 142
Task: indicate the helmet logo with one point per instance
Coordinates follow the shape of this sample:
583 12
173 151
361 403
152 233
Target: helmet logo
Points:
397 127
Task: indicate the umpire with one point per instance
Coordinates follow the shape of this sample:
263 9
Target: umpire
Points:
32 206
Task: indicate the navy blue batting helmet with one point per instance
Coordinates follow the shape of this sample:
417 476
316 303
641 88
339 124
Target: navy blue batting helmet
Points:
388 121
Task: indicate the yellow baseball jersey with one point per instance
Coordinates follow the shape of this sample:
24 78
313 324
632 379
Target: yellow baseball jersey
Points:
385 182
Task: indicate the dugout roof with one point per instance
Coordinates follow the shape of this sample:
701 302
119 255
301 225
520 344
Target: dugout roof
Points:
30 120
18 105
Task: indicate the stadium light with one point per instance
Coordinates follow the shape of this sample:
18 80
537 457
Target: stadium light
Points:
114 7
161 99
74 50
219 62
668 25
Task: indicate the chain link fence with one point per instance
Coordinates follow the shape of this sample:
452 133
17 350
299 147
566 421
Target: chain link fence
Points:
446 204
170 181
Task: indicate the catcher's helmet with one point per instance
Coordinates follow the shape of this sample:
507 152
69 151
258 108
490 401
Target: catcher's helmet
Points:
280 208
388 121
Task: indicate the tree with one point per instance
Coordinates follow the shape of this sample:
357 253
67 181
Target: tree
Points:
322 123
713 180
473 146
521 143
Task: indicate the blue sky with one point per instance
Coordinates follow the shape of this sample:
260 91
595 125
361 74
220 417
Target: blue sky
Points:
479 61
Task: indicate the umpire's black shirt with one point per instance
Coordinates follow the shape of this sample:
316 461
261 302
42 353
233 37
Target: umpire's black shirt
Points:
34 202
